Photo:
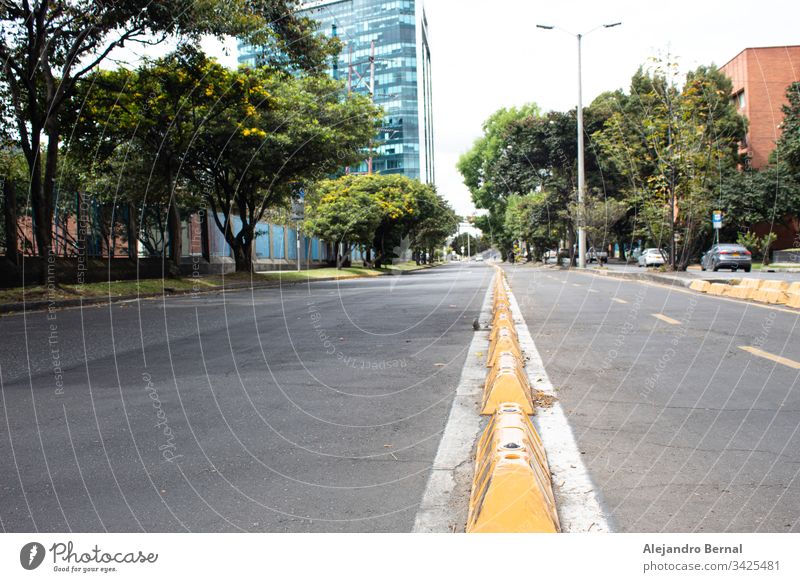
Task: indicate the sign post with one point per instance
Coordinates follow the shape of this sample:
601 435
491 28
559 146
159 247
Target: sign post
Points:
716 219
298 214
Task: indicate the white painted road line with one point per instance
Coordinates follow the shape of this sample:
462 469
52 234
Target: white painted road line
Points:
445 502
579 508
617 300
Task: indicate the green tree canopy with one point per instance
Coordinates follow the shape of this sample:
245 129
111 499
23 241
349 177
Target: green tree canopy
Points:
238 142
47 46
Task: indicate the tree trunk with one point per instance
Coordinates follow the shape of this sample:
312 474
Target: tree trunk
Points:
45 225
175 237
243 258
205 245
37 208
571 243
133 233
622 257
10 216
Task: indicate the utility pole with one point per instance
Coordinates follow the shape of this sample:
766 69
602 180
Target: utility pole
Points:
581 166
673 248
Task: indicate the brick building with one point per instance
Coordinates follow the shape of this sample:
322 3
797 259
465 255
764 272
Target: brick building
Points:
760 77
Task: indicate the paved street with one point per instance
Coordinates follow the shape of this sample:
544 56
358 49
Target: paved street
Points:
309 408
681 429
320 407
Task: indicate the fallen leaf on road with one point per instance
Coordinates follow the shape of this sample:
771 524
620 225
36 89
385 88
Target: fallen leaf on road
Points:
440 365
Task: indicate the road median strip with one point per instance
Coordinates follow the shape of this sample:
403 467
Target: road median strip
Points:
512 490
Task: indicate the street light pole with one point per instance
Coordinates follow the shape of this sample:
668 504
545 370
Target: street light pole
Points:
581 165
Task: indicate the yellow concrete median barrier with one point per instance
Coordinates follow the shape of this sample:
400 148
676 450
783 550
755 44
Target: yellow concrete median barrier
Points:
794 288
794 300
503 308
511 490
502 321
507 382
770 296
750 283
737 292
506 341
774 285
699 285
717 289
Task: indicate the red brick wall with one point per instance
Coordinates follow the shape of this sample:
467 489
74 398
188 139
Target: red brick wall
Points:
763 74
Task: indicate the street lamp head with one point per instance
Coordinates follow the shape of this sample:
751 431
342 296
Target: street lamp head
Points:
612 25
544 26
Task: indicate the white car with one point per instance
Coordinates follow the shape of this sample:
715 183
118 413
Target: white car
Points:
652 258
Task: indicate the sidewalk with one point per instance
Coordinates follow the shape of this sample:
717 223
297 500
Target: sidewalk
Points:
36 298
679 278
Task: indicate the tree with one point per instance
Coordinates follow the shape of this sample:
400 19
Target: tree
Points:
239 141
788 148
436 221
341 212
479 168
673 145
270 136
529 218
47 46
406 212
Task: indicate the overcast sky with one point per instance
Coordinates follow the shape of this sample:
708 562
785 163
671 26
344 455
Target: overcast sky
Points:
488 55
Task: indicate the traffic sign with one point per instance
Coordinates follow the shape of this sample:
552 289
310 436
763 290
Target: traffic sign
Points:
717 219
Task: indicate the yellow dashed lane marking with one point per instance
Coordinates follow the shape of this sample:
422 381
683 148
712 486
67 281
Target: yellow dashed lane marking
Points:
666 319
773 357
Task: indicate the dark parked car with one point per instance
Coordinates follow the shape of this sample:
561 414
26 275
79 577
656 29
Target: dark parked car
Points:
732 257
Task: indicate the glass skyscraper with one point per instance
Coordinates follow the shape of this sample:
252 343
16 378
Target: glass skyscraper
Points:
402 80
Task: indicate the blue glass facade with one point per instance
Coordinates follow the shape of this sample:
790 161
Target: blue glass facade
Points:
402 79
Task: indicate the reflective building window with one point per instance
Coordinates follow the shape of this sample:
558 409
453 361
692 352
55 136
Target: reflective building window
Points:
399 30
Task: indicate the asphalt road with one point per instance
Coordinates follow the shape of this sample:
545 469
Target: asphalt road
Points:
682 430
308 408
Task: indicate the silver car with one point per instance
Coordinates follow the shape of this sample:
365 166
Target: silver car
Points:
733 257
